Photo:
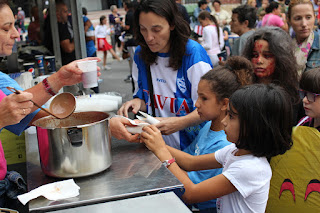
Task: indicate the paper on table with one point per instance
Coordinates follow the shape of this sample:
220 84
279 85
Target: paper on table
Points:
52 191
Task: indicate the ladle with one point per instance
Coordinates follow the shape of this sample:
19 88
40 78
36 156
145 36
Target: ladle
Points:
62 106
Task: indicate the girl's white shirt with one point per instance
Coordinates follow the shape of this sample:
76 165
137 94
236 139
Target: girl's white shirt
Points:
102 31
210 40
250 175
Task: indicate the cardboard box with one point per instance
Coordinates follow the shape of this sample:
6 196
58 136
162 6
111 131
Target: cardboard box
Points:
14 147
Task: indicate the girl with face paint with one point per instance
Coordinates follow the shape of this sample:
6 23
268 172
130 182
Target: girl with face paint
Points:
270 49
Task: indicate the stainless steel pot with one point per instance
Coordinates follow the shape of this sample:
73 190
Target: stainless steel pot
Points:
77 146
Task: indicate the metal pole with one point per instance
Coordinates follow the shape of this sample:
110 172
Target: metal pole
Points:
55 33
78 29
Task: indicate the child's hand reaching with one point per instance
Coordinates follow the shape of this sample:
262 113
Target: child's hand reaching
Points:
152 138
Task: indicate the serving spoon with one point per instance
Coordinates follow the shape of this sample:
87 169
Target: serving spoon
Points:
62 106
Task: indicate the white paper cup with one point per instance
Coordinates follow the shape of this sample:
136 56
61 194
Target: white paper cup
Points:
89 75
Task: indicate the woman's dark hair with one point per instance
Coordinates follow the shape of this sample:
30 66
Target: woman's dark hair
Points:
281 46
178 37
102 18
265 119
273 5
206 14
225 80
310 80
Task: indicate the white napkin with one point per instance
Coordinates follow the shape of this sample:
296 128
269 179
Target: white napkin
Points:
147 118
52 191
137 128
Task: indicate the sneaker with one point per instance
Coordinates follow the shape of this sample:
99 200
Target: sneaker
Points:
106 67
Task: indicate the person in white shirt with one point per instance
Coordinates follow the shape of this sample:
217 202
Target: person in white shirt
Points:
101 33
255 133
212 36
223 17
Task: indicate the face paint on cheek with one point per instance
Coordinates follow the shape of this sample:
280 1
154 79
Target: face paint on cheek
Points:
270 69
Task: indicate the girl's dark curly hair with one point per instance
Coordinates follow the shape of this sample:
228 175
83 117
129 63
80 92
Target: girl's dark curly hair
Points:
281 46
178 37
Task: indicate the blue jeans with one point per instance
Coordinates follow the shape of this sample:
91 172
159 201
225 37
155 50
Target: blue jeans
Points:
10 187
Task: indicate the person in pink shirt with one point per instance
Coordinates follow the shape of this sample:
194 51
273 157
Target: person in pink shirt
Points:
272 18
16 111
12 110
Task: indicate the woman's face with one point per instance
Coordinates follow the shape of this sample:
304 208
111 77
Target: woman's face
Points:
253 3
263 60
8 32
155 31
302 21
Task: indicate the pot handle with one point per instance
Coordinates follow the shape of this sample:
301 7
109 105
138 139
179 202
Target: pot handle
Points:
75 136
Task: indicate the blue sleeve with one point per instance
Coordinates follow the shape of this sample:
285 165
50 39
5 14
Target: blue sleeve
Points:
142 80
85 19
17 129
195 54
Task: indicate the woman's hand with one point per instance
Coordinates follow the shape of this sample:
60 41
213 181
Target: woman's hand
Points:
152 138
69 74
134 105
119 131
14 107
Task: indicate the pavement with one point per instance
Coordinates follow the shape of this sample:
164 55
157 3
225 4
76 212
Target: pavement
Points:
113 80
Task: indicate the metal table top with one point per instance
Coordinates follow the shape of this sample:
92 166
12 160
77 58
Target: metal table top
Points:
135 171
159 203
